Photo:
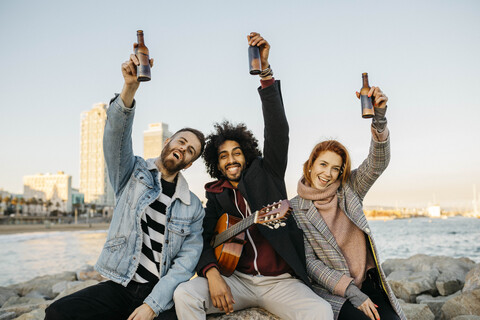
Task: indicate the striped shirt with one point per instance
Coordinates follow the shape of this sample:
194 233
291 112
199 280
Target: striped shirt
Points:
153 227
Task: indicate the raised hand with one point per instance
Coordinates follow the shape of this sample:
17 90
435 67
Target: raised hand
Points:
129 69
379 98
255 39
129 72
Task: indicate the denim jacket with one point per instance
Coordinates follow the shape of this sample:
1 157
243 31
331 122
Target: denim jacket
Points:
136 185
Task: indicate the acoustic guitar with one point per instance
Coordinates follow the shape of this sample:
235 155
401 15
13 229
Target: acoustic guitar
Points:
230 236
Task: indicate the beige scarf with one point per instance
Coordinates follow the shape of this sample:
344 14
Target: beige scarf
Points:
348 236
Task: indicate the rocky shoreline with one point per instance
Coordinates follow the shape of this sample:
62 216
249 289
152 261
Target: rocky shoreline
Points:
430 288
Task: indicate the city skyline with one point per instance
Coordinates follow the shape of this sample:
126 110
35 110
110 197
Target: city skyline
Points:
66 57
94 181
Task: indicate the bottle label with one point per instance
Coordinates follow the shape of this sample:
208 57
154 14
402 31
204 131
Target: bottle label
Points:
143 58
254 60
143 73
367 106
366 102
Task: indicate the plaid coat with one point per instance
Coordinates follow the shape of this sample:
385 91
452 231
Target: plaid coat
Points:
325 261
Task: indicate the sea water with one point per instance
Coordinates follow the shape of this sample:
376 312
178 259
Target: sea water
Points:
28 255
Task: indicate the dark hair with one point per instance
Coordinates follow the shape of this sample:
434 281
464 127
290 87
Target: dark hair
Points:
227 131
198 134
333 146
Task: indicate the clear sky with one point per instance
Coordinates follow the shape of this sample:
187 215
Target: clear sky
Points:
61 57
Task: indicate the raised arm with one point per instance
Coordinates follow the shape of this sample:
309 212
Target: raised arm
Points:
129 72
117 137
275 146
378 158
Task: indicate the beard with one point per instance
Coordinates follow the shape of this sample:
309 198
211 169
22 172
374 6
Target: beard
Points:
171 165
235 178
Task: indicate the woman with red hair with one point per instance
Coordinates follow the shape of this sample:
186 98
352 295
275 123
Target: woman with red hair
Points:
342 259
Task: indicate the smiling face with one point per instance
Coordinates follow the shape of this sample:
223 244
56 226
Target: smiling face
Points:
180 151
325 169
231 161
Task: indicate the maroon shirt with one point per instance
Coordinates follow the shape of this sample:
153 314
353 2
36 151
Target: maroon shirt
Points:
259 257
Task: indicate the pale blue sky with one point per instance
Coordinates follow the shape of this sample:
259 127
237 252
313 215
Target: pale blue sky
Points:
61 57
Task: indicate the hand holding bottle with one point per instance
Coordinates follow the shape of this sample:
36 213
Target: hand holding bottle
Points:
129 72
256 40
129 69
379 98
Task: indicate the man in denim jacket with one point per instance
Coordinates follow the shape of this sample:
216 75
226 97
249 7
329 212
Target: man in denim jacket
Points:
155 237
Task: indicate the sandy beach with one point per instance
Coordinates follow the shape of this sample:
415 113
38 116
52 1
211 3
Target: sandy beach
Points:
23 228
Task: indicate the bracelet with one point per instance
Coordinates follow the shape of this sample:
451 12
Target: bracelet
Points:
266 72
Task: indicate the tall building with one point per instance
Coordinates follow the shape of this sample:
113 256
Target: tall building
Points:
54 187
94 182
153 139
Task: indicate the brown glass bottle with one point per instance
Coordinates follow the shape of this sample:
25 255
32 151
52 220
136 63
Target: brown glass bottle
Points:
366 101
143 69
254 60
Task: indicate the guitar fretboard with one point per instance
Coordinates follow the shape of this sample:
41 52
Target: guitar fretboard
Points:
232 231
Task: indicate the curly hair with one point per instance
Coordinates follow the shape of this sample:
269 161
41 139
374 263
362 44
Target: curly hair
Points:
227 131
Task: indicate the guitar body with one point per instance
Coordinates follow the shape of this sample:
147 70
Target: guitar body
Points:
228 253
229 235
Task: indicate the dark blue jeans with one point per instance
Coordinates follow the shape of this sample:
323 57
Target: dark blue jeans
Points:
106 300
373 289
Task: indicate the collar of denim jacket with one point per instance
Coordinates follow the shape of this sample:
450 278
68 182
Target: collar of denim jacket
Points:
182 191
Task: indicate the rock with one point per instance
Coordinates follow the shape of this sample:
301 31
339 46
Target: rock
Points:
37 314
472 279
465 304
88 273
18 310
466 318
449 282
250 314
43 284
452 271
435 303
34 294
391 265
61 286
5 294
75 286
453 274
7 315
416 311
13 301
407 284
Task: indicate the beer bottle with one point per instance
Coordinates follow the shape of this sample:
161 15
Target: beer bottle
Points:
143 69
254 60
366 101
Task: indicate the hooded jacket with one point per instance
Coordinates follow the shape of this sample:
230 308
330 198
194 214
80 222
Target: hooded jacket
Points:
261 183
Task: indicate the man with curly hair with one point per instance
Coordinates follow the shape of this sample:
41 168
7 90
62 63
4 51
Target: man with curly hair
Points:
271 271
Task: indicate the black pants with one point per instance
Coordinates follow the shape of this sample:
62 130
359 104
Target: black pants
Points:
373 289
106 300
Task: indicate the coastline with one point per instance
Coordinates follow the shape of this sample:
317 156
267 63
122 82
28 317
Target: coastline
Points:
27 228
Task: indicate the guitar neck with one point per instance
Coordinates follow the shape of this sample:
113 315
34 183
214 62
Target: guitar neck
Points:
237 228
